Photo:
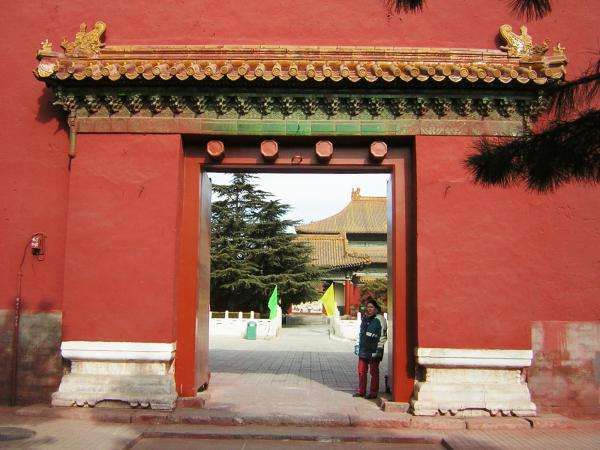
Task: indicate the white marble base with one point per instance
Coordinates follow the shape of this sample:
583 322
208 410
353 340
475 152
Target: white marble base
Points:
140 374
473 382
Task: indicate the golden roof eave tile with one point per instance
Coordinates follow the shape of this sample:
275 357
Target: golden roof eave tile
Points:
88 59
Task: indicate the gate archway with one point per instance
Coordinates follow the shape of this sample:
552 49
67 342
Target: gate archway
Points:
296 155
355 97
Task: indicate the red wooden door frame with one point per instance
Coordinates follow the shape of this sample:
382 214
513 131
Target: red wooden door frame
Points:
351 155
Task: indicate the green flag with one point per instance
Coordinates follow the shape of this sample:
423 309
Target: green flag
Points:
273 303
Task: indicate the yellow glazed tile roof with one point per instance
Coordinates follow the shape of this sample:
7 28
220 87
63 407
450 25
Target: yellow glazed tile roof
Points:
376 253
365 215
331 251
88 58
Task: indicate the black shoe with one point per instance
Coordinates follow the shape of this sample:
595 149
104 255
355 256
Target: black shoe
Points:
370 397
357 394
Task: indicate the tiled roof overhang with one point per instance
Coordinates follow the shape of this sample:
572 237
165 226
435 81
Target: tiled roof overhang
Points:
87 59
298 91
332 252
362 215
302 63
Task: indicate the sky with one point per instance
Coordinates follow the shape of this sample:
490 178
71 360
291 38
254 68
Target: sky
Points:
314 196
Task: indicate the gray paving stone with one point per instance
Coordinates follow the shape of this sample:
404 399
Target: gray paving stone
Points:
301 355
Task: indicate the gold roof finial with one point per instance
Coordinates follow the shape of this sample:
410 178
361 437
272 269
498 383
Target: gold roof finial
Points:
520 45
559 50
86 42
46 47
355 193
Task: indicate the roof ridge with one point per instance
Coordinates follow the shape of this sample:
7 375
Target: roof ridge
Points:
369 197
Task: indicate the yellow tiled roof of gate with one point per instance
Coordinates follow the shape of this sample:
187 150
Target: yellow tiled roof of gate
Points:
88 58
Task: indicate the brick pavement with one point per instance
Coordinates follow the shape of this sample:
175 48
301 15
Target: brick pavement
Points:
302 372
300 356
296 388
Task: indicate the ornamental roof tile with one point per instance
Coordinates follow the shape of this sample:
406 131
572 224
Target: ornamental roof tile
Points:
364 215
87 58
331 251
376 253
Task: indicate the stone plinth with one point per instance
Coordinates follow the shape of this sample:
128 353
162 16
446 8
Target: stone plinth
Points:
471 382
140 374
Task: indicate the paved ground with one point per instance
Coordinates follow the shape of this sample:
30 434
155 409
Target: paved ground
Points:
292 392
76 434
301 372
67 434
259 444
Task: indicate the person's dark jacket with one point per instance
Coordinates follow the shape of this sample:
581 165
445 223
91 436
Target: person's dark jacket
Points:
373 334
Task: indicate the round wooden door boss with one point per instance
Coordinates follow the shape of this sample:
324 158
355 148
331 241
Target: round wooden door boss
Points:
378 151
215 150
324 151
269 150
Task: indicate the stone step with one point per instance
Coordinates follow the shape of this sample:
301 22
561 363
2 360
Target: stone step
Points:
380 420
287 433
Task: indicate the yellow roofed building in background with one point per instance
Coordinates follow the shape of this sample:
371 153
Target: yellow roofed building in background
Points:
350 245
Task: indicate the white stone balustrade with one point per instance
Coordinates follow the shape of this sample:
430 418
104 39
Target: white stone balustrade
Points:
346 328
236 326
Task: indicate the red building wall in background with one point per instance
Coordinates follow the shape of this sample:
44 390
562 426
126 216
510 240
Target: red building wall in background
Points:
489 261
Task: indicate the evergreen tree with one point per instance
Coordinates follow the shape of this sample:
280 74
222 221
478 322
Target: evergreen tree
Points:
566 150
251 251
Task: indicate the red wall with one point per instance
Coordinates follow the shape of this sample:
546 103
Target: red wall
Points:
489 260
121 253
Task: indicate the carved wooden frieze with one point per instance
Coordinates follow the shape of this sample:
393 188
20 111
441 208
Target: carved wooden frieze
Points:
432 105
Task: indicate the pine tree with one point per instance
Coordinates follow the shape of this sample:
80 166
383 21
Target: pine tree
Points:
251 251
566 150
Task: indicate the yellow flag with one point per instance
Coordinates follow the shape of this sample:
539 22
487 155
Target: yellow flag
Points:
328 300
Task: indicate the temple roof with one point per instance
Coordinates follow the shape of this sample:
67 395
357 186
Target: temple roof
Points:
87 58
364 215
332 251
376 253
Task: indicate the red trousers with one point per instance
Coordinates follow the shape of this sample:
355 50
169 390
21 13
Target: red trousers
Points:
373 365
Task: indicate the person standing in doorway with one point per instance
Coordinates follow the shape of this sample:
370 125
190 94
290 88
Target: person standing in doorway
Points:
373 335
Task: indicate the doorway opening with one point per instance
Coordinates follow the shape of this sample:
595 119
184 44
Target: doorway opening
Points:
296 156
292 257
